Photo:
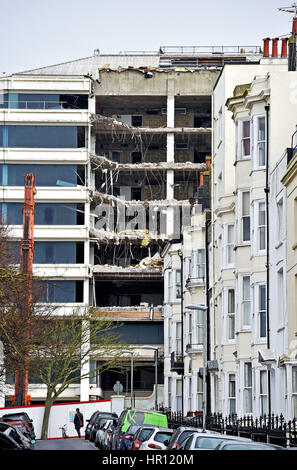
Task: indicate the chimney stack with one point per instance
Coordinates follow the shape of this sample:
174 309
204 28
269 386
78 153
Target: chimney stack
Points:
275 47
266 47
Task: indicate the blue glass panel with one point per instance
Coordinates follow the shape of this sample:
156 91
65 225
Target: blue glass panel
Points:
55 214
45 175
3 100
54 252
39 101
45 213
42 137
60 291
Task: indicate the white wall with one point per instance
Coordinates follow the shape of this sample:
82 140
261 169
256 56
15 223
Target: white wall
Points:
61 414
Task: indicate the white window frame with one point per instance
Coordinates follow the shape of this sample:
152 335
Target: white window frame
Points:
178 338
280 220
240 139
198 264
247 388
258 141
263 392
190 400
259 312
245 301
199 399
260 227
229 316
231 398
174 285
242 216
228 246
178 394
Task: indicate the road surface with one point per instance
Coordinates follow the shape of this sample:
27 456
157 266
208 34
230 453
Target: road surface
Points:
65 444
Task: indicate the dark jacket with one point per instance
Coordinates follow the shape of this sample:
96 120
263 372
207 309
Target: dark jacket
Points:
78 420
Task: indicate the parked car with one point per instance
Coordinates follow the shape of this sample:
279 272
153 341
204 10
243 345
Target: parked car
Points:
208 441
142 433
15 434
227 445
108 433
102 426
7 442
99 420
96 416
158 439
179 435
129 417
128 436
23 420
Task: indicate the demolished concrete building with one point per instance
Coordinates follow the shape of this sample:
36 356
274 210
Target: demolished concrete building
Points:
146 123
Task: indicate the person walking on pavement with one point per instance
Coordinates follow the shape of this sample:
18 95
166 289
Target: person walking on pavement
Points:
78 421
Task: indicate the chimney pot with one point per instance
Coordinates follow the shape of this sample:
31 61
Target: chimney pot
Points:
275 47
266 47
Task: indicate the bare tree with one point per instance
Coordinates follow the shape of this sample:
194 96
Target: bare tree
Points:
63 359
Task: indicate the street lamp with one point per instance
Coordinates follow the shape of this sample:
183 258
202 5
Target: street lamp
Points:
154 348
128 351
203 308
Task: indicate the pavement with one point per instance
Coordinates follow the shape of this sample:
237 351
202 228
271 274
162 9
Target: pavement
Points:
64 444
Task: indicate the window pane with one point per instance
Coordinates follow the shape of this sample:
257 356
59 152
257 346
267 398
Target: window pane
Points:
262 297
246 229
246 129
43 136
261 128
231 301
54 252
245 203
45 175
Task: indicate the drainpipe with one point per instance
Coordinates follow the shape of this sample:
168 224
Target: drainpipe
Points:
267 190
208 392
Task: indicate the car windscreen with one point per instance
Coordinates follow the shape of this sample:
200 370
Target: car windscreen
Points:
144 434
162 436
208 442
183 436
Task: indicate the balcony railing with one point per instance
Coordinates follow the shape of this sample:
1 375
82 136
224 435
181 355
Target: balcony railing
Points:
36 105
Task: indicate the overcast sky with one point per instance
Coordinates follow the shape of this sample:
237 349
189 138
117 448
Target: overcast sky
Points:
36 33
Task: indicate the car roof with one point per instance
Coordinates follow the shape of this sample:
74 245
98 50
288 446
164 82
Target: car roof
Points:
252 443
223 436
187 428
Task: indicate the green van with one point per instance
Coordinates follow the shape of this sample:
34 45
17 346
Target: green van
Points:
129 417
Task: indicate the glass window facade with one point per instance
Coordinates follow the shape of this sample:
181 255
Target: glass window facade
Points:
62 291
45 175
42 136
42 101
54 252
45 213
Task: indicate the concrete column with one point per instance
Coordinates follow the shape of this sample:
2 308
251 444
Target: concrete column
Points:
170 156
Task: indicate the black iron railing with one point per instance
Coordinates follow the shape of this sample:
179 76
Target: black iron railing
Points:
270 429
